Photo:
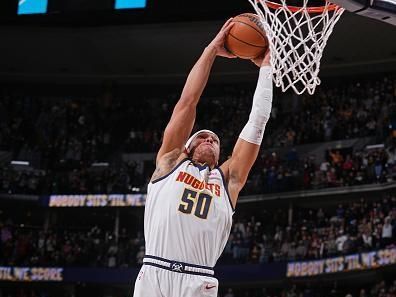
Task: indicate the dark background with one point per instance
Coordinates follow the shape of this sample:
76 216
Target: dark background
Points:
89 42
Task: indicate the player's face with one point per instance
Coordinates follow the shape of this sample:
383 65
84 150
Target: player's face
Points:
206 148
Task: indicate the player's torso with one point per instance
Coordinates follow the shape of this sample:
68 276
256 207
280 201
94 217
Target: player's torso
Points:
188 215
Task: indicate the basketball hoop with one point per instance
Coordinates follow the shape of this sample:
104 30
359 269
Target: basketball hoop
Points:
297 36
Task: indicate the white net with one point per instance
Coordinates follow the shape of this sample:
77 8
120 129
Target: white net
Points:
297 38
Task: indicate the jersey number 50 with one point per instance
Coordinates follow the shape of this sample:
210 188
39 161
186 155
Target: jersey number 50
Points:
200 204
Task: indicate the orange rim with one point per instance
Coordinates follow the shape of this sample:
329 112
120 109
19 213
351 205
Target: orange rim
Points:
313 9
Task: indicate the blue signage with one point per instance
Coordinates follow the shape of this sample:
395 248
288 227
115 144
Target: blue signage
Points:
130 4
32 6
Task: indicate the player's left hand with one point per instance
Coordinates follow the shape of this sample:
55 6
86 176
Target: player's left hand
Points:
263 60
218 42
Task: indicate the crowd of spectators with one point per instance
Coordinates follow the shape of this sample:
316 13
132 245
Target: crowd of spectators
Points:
125 178
351 110
314 233
255 238
88 128
378 289
383 288
62 137
271 173
360 167
65 248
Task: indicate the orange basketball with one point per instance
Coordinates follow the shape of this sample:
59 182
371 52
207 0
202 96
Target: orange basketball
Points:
247 38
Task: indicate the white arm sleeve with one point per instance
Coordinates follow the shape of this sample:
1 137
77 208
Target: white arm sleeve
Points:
253 131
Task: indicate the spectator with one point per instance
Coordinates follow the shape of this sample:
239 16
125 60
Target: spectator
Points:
387 232
229 293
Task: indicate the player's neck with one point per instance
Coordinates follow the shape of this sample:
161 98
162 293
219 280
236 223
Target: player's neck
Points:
204 164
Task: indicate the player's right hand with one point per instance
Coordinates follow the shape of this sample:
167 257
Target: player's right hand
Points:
218 42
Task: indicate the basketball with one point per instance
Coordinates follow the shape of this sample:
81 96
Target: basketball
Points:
247 38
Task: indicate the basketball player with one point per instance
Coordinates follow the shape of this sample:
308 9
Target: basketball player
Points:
191 200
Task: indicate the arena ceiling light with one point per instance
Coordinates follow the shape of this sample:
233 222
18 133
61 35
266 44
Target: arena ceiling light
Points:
100 164
20 163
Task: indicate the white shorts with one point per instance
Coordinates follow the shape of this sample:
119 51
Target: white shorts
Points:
153 281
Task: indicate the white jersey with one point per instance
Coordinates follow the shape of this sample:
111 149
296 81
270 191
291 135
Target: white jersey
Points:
188 215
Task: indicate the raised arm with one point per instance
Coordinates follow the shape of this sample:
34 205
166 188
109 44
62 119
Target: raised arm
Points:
246 149
183 117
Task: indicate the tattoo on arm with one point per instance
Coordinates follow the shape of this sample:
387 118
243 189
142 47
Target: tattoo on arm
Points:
157 173
166 164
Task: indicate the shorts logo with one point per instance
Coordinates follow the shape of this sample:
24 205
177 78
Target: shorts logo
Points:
140 275
178 267
208 287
